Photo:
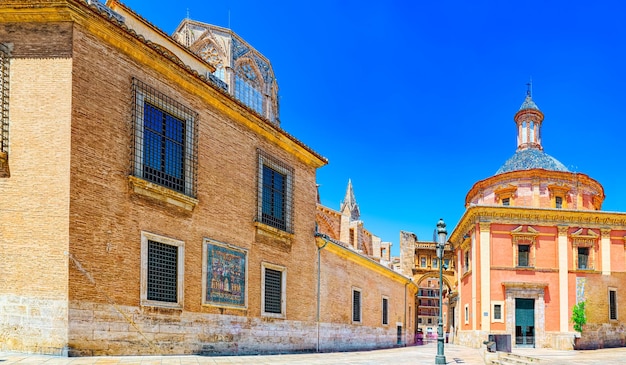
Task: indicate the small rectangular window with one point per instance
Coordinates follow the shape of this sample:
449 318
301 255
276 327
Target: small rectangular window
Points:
273 293
386 311
161 270
356 305
435 263
466 314
523 252
612 305
506 201
583 258
497 311
466 262
558 202
423 262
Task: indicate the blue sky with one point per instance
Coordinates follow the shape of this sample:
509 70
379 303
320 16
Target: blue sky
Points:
414 100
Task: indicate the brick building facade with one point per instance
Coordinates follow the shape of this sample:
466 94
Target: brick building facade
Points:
150 205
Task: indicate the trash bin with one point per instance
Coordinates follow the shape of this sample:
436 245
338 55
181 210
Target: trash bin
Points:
502 342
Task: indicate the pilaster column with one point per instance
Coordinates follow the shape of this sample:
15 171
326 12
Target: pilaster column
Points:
563 283
485 276
605 246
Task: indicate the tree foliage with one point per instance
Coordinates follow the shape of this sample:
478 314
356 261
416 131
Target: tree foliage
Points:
579 318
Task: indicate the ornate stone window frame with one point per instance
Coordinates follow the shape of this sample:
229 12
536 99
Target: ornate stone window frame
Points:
558 191
506 192
528 237
590 240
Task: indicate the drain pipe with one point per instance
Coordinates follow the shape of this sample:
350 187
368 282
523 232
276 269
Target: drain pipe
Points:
319 270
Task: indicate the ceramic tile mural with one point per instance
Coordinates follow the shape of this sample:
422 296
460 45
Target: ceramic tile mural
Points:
226 275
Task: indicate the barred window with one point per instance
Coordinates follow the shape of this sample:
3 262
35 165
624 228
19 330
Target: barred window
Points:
165 140
386 311
356 305
612 304
161 270
275 193
273 290
4 110
162 279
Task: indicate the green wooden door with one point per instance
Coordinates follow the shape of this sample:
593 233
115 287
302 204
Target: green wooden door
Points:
524 322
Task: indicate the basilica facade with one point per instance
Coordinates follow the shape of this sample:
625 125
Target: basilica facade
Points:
532 243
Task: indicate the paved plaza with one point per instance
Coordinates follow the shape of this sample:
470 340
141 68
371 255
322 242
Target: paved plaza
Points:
415 355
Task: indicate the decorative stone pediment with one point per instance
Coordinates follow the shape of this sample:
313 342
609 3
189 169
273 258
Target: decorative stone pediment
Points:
524 235
584 237
558 190
505 191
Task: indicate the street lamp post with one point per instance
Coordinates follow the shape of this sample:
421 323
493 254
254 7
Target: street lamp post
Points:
441 244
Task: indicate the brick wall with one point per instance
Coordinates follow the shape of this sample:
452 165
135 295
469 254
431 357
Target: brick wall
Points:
34 233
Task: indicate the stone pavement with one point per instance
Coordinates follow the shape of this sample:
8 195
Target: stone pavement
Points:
415 355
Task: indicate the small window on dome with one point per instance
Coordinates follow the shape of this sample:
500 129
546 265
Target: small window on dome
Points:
506 201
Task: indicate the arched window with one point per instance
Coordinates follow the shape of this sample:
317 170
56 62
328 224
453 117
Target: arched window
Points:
248 86
532 132
524 133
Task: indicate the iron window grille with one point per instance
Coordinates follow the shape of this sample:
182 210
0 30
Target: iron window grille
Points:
164 140
356 305
275 193
4 98
273 291
612 305
162 272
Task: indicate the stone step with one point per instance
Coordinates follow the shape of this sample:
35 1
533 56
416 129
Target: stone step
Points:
508 358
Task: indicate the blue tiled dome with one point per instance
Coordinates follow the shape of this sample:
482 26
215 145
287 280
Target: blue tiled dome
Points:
529 159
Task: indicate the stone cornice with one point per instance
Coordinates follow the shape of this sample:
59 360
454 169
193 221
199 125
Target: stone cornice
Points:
348 254
537 217
536 175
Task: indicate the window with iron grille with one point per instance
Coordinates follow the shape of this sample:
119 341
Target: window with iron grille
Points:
612 304
386 311
4 110
273 291
161 270
356 305
165 140
275 193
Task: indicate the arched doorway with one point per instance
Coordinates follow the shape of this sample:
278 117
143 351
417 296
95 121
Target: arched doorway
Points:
427 307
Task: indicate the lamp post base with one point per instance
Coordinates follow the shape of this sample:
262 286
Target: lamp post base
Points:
440 359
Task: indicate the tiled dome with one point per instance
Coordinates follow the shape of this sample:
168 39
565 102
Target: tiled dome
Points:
529 159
